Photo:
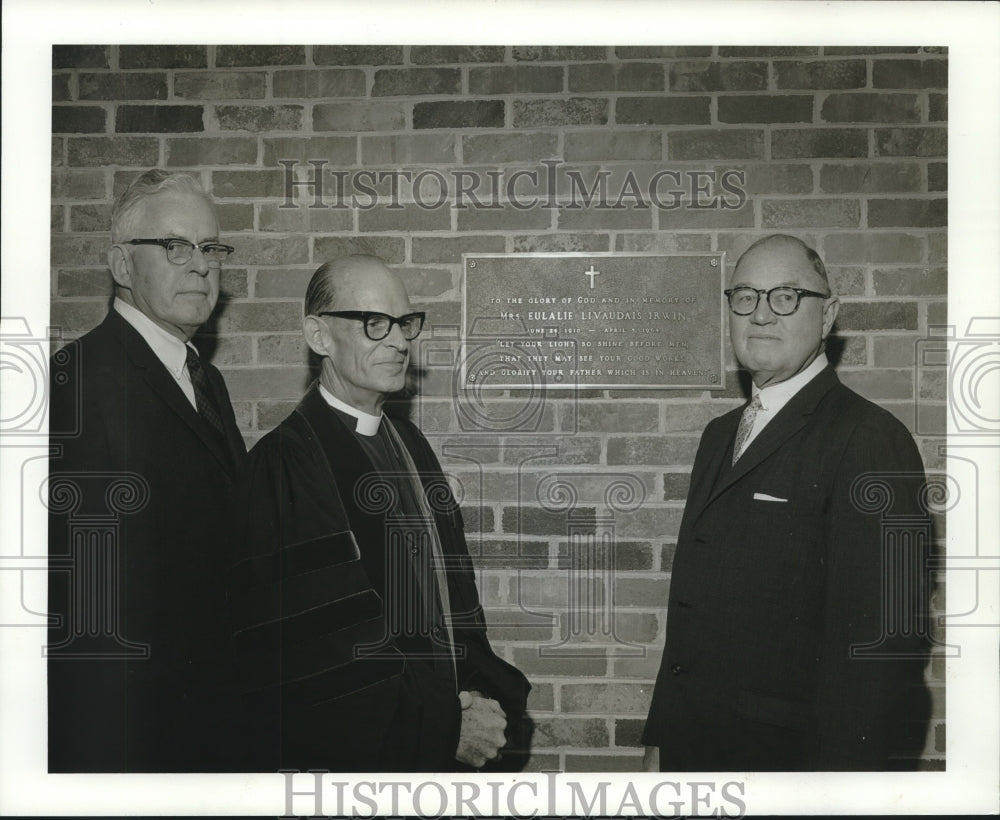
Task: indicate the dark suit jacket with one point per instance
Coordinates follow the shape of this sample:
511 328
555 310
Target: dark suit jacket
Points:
139 493
325 596
767 598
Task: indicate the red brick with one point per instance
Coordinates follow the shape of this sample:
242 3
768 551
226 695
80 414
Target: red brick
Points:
220 85
425 283
465 114
821 74
877 316
768 51
251 184
752 108
907 213
357 55
283 348
643 592
77 316
123 86
520 626
893 248
869 177
394 82
628 731
259 316
512 554
337 151
233 283
586 662
705 218
937 314
558 53
601 763
937 107
574 733
234 217
225 350
490 148
911 282
676 486
429 55
359 116
60 87
232 56
303 219
911 142
89 218
630 217
718 76
516 79
895 351
506 218
131 119
79 251
552 242
81 56
390 249
408 149
819 142
561 111
869 107
450 249
122 151
773 178
937 247
655 450
920 74
662 110
263 250
801 213
847 351
333 82
878 385
283 382
860 50
662 242
604 145
281 282
194 151
95 283
259 118
408 217
937 176
616 77
717 144
847 281
78 119
606 698
538 521
150 56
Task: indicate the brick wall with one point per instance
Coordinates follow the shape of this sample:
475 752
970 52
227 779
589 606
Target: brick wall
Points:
845 147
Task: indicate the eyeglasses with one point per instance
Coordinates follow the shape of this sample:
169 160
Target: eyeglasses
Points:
180 251
378 325
783 301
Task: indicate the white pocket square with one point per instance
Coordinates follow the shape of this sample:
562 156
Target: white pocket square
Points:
766 497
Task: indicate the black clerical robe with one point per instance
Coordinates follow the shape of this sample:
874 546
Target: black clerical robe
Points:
339 666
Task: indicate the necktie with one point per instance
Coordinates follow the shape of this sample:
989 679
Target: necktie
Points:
207 406
746 425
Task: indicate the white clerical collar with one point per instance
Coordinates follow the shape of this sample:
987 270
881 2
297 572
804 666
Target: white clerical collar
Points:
367 423
168 348
775 396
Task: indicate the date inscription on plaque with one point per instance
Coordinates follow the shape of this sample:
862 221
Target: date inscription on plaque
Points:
573 320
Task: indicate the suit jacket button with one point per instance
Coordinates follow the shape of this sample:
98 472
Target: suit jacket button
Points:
677 669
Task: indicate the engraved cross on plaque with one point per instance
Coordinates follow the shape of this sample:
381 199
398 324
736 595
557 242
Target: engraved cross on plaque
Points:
591 273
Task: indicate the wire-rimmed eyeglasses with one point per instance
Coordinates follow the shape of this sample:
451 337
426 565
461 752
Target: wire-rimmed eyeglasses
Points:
378 325
783 300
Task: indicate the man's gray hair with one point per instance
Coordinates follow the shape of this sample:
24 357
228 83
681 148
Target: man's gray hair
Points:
152 183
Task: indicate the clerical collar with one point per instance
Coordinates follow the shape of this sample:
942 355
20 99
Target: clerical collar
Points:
775 396
367 424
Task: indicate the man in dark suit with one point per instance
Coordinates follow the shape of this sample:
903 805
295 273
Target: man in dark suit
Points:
145 454
796 614
359 637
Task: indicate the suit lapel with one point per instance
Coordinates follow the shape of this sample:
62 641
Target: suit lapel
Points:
165 387
789 420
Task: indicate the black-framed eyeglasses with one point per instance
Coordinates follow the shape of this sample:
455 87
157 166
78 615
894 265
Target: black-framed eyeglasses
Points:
378 325
180 251
783 300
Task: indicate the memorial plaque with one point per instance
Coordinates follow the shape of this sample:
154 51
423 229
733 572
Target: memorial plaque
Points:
585 320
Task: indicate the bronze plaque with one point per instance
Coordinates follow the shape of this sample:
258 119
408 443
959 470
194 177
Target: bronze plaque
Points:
593 320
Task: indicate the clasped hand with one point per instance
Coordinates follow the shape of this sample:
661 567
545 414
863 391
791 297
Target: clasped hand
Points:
482 733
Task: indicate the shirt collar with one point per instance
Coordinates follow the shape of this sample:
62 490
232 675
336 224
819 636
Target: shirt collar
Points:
775 396
367 423
168 349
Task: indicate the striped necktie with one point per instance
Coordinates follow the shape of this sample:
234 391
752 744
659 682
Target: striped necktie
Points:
208 408
746 426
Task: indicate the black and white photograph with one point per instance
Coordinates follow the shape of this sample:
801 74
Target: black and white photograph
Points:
500 409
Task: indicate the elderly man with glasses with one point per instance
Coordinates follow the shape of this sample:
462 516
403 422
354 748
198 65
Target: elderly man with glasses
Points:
359 641
145 456
796 623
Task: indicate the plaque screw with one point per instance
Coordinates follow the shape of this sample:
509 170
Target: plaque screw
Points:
715 263
472 263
